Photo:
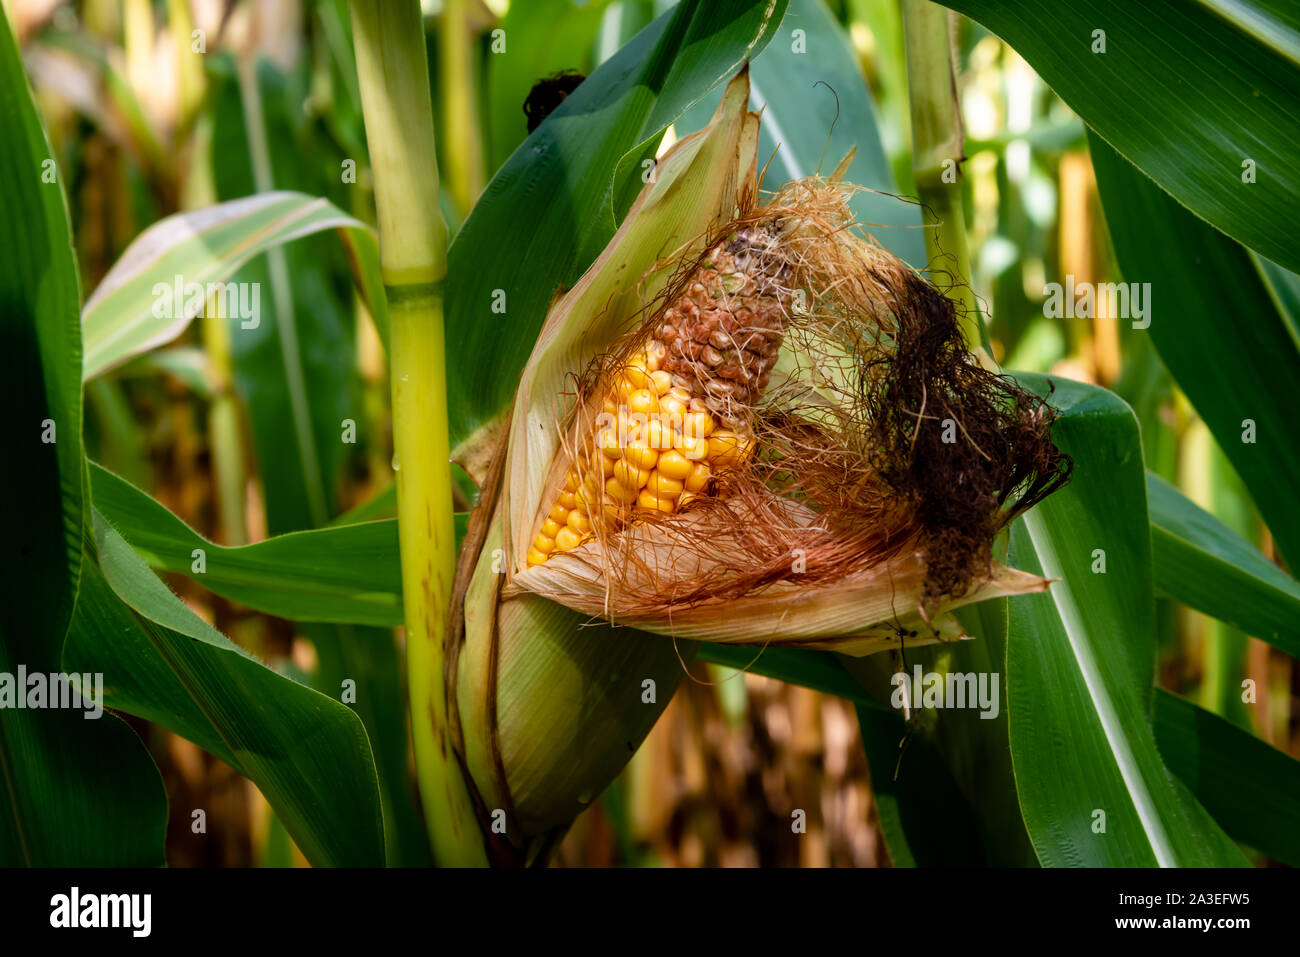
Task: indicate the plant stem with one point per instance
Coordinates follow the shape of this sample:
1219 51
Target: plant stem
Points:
394 80
937 154
464 153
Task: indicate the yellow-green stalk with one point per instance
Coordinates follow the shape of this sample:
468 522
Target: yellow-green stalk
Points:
394 79
189 66
459 94
938 150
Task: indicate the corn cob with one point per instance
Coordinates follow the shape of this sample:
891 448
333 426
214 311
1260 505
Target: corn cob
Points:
674 415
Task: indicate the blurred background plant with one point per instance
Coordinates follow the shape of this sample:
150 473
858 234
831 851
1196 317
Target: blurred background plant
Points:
246 436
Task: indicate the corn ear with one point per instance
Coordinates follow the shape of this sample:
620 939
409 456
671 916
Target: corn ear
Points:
582 527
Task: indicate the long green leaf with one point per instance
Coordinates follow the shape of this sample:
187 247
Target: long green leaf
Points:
307 753
552 208
136 308
1242 375
347 573
72 791
1202 563
1193 100
1249 787
1080 662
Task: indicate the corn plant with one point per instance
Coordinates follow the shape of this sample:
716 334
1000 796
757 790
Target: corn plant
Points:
700 373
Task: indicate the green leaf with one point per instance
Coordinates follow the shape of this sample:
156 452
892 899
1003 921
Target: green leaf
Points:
1249 787
347 573
816 108
1183 94
145 300
555 204
1080 661
819 670
1202 563
75 791
1243 376
925 818
371 658
545 37
307 753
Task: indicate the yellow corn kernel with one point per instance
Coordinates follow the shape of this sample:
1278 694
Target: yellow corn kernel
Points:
567 539
579 522
657 436
635 378
648 499
663 381
655 353
566 499
629 476
642 402
698 425
674 465
612 510
550 527
570 481
544 545
639 453
663 486
609 443
620 493
691 447
727 449
558 514
535 557
698 480
673 407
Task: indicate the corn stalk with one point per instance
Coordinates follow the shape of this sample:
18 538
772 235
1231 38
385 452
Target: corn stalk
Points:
938 150
394 79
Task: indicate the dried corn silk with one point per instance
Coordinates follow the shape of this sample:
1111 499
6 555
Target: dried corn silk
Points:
797 408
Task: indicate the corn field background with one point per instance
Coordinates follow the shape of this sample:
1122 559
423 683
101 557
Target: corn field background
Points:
201 502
